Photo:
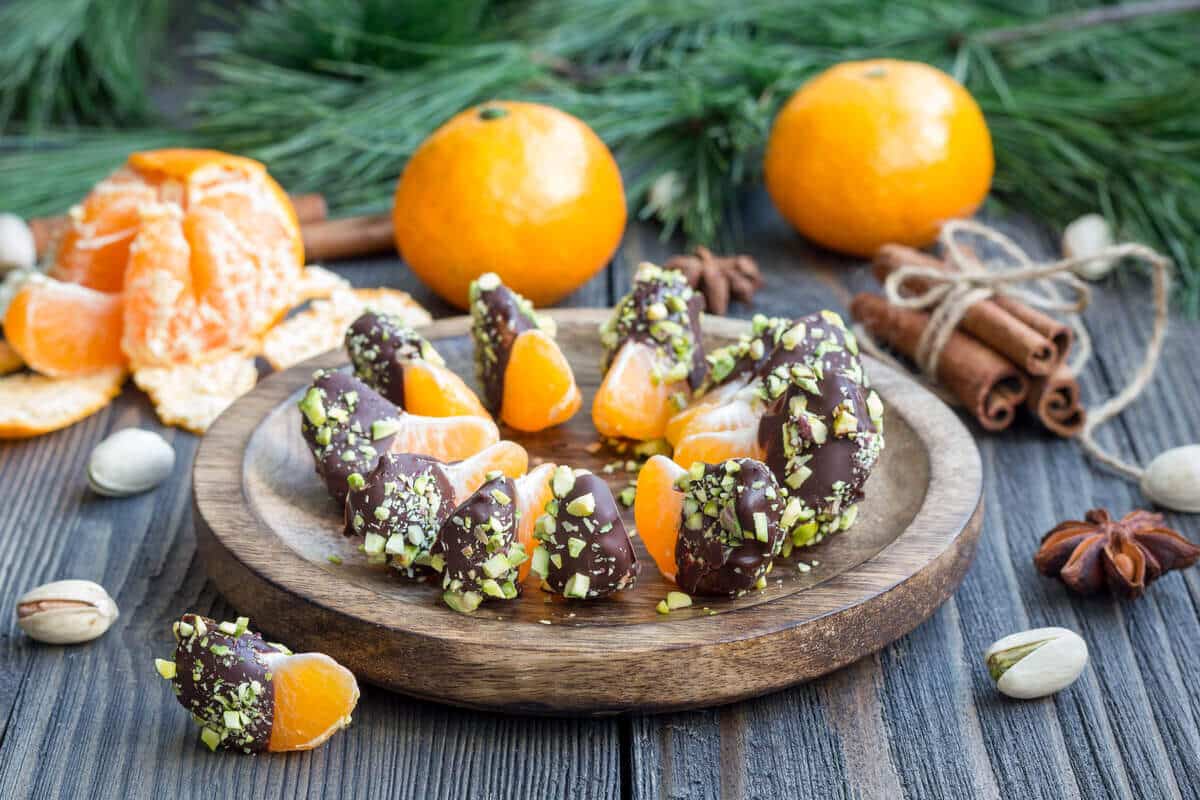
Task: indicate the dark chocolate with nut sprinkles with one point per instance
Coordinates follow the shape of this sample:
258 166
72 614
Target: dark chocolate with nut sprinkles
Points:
398 509
379 346
745 357
498 316
476 548
222 675
347 426
730 531
583 548
661 311
822 430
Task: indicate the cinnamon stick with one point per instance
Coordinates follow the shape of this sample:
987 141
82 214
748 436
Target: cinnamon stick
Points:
1054 400
348 237
985 382
310 208
993 321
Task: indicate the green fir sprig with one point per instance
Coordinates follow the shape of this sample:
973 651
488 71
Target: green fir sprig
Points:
1091 107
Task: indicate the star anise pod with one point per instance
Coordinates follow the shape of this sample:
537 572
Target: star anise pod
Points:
1123 556
718 277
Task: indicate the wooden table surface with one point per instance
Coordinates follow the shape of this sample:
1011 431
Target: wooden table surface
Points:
918 720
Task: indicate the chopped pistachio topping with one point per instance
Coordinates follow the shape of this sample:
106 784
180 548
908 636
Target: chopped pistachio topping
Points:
577 586
678 600
165 668
312 405
582 506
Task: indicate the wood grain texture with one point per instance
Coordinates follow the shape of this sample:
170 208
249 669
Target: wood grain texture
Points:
267 530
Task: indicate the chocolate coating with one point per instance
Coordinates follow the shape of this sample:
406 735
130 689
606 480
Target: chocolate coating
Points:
821 430
744 358
218 672
399 510
662 311
477 543
498 316
730 531
583 537
338 417
379 346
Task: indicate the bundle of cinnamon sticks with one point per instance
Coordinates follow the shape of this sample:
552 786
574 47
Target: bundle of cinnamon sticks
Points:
1004 354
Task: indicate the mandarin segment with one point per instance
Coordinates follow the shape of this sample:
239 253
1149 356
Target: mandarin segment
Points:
444 438
314 698
63 329
630 403
533 492
716 446
658 511
539 386
435 391
507 458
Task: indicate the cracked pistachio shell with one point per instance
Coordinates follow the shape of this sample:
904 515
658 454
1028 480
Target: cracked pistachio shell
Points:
17 248
1036 663
1173 479
130 462
66 612
1085 237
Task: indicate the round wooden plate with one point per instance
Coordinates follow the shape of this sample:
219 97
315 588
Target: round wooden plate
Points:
267 530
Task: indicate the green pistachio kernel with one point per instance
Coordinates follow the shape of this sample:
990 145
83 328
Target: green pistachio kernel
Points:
678 600
540 563
355 481
383 428
373 544
575 546
165 668
627 496
761 532
563 481
662 607
577 586
312 405
210 738
492 589
496 566
462 602
582 506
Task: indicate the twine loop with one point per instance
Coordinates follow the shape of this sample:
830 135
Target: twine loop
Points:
970 280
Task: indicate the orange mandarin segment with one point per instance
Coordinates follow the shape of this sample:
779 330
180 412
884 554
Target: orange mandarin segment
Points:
432 390
715 418
630 403
314 698
469 474
713 447
95 247
658 511
539 387
444 438
533 492
63 329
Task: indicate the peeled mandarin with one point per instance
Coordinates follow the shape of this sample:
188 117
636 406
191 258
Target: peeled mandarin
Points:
658 511
539 386
314 698
64 329
629 403
432 390
713 447
444 438
468 475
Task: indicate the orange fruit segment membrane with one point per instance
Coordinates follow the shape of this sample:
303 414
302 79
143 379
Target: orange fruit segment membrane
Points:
539 387
64 329
653 354
314 698
405 368
477 550
444 438
525 376
466 476
711 447
253 696
658 510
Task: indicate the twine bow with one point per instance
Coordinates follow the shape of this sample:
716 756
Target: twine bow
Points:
971 280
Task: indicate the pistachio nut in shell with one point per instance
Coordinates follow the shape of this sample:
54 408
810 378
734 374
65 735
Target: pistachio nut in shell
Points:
1085 238
17 247
130 462
1037 662
66 612
1173 479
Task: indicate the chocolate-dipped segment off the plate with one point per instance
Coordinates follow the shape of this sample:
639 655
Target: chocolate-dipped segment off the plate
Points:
476 548
222 674
823 426
661 311
583 548
498 316
347 425
730 531
398 509
379 346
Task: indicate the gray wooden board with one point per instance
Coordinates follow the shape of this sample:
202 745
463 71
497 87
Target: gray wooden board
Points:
917 720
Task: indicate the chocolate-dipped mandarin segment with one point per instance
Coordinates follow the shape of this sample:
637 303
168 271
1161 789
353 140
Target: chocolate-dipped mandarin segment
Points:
222 674
398 509
347 426
663 312
498 316
730 530
477 548
379 346
822 428
583 548
742 359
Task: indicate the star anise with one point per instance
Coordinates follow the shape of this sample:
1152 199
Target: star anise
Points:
1123 556
718 277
